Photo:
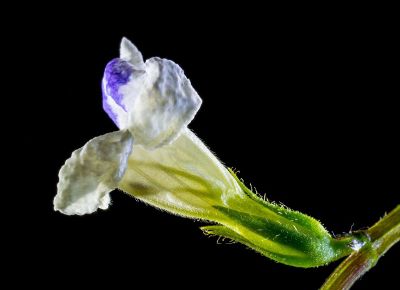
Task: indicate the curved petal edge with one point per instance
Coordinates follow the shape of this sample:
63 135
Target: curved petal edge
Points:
92 171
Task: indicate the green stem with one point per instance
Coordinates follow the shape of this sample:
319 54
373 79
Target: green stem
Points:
380 238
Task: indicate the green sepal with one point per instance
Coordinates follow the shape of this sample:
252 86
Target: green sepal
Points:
286 234
277 232
288 243
298 218
222 231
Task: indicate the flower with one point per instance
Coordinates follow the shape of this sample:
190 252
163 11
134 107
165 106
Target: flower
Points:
153 156
157 159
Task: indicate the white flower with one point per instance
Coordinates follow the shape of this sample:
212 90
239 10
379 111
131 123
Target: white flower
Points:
153 156
157 159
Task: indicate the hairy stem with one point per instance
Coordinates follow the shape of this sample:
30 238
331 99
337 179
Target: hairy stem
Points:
379 239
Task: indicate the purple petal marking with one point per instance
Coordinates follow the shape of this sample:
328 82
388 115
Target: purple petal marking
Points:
116 74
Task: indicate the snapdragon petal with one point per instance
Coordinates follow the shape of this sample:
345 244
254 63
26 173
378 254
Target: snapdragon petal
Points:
129 52
92 172
154 101
116 74
183 177
165 105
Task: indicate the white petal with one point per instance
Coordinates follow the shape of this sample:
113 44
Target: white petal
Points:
129 52
160 103
92 172
183 177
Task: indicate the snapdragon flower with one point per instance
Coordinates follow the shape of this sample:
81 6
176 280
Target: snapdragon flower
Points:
155 158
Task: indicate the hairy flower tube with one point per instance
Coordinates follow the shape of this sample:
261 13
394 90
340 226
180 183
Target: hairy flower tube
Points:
155 158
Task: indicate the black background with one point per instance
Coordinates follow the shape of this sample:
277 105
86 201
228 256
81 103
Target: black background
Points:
305 107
